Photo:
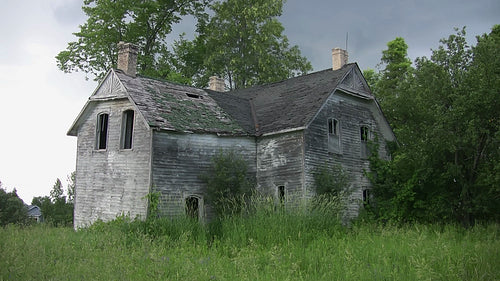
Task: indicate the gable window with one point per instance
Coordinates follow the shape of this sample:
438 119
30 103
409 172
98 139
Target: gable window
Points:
365 133
127 129
333 126
334 135
102 131
365 136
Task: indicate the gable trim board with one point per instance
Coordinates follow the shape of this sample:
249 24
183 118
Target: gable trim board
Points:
271 124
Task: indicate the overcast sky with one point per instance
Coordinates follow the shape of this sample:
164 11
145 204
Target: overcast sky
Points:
38 103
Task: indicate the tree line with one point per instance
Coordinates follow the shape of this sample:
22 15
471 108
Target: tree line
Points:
56 209
444 111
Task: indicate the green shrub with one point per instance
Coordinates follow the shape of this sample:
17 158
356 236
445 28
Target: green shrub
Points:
330 179
227 183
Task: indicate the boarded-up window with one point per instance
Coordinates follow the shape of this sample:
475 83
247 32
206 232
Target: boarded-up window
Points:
127 129
102 131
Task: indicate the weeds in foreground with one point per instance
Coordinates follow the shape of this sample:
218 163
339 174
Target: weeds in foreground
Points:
265 244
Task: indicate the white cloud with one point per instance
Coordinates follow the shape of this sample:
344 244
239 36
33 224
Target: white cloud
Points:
37 101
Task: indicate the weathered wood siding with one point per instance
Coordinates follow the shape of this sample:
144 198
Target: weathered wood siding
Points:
280 162
179 160
352 113
113 181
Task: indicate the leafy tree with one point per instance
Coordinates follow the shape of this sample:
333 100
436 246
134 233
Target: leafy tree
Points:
57 191
242 42
389 84
449 135
227 182
71 187
144 23
55 209
12 208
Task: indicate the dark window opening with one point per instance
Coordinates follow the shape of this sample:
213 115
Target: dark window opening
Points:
333 127
192 207
366 197
194 96
365 134
102 131
127 129
281 194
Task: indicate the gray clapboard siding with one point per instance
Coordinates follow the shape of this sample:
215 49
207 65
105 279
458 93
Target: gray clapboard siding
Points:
352 113
180 159
280 162
111 182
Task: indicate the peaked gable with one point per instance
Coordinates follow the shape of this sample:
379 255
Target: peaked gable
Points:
111 87
355 83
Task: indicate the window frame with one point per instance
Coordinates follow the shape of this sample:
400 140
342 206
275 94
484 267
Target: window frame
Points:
102 119
334 135
366 196
333 127
281 194
365 133
127 129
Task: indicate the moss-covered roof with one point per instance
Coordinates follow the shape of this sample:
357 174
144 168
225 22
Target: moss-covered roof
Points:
286 105
175 107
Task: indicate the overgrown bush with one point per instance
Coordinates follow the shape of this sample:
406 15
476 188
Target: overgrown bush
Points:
330 180
227 183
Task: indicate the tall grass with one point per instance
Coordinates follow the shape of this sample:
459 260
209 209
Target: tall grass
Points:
263 243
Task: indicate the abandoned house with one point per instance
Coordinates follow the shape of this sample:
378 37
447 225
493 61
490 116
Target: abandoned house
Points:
136 135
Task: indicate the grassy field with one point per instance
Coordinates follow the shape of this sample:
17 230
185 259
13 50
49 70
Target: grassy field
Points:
273 246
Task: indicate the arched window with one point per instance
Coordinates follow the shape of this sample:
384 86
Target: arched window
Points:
102 131
193 207
127 129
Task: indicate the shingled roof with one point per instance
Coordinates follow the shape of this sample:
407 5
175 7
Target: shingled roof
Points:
282 106
175 107
273 108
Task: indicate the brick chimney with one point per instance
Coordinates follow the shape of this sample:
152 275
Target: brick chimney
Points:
216 84
339 58
127 58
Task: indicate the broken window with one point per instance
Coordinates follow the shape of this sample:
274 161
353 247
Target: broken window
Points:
365 133
127 129
365 136
192 207
334 135
281 194
102 131
333 126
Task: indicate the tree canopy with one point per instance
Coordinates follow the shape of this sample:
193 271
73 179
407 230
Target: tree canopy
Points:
243 43
12 208
445 114
144 23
